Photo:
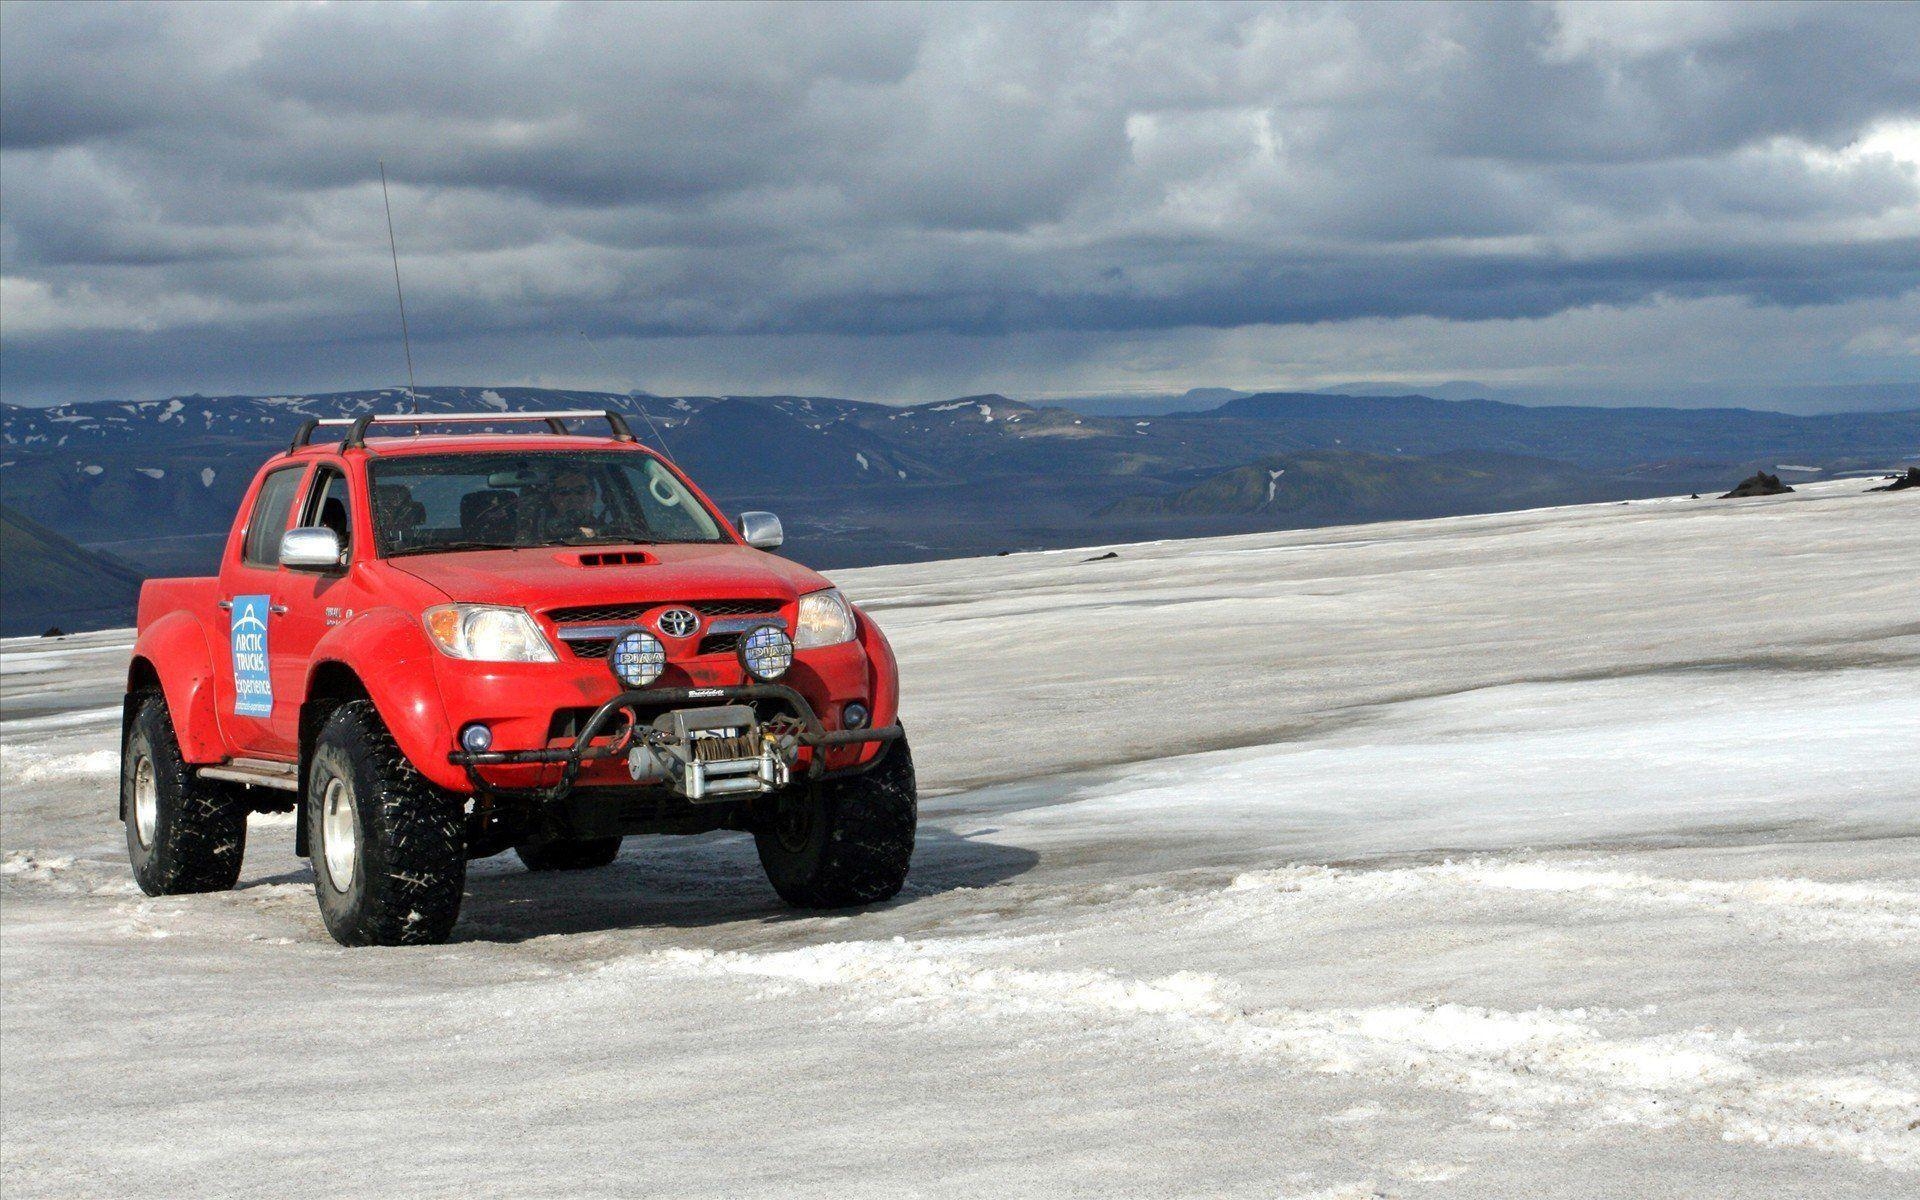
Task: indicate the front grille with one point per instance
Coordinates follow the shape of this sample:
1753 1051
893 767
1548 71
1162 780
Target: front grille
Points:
713 643
597 614
735 608
719 643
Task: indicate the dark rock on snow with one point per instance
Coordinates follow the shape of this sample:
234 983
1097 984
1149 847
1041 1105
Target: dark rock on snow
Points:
1901 482
1758 484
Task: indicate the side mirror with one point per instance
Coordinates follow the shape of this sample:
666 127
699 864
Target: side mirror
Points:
310 547
762 530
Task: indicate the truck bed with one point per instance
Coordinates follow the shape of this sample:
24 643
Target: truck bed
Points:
197 594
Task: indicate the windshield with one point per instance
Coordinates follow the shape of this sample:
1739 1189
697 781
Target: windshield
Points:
429 503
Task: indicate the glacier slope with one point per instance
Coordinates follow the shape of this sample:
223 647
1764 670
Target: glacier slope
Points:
1563 853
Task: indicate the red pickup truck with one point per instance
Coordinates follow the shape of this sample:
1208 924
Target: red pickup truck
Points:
438 648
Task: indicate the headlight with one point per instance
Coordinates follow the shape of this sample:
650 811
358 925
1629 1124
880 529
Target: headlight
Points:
487 633
766 652
826 619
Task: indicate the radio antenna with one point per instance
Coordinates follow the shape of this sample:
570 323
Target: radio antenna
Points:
657 436
393 247
634 398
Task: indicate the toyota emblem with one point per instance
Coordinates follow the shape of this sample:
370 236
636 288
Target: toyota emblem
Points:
678 622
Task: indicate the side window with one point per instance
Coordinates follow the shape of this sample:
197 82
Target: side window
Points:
269 520
328 506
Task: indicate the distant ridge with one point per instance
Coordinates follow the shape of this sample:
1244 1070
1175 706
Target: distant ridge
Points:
158 481
49 581
1336 485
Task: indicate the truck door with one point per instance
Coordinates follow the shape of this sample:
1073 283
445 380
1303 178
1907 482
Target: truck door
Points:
314 600
250 578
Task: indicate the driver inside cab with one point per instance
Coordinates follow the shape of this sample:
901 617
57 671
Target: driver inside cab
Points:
571 507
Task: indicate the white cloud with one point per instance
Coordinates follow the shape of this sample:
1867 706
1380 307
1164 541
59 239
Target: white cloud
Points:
29 307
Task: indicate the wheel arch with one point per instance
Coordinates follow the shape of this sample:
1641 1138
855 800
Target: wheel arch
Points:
883 682
172 656
381 656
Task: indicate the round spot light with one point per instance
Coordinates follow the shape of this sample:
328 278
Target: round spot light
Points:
476 738
855 715
766 652
637 658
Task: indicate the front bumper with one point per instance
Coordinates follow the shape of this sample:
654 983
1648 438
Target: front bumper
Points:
587 745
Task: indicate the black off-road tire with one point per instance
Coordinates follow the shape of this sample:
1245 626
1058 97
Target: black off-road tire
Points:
406 866
194 832
845 841
581 855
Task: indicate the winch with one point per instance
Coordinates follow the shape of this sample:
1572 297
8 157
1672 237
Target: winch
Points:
713 753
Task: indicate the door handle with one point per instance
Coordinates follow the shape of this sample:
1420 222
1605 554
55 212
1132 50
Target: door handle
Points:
278 610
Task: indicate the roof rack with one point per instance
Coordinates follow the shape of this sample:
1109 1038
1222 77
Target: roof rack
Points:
556 422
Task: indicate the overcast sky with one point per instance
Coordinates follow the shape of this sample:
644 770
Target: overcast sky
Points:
908 203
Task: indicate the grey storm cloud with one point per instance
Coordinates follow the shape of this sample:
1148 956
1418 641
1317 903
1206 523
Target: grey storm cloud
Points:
191 192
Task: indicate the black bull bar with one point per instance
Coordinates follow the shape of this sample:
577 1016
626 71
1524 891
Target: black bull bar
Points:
812 734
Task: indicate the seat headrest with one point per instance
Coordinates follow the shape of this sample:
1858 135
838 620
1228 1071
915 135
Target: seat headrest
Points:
395 503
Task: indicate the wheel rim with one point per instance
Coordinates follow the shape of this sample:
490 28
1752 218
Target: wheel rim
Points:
146 800
340 831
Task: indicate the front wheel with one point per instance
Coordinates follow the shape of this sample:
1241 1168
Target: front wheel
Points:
184 834
846 841
389 848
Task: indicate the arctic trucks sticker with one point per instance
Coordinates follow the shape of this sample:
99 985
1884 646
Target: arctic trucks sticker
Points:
252 682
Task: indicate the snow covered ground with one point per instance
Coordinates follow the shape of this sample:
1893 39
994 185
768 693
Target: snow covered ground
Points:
1561 853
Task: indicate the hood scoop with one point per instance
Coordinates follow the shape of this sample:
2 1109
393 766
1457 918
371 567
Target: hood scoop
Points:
608 558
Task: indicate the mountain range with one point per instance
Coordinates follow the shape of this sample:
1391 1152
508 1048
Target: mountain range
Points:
154 484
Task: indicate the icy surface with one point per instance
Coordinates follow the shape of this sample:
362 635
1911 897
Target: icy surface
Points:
1555 854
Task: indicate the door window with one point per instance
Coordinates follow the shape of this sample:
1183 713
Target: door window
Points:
330 507
269 520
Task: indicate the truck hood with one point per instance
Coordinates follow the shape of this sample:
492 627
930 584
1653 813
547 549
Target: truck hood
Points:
552 577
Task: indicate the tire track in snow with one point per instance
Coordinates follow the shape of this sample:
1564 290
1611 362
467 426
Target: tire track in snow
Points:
1884 913
1521 1065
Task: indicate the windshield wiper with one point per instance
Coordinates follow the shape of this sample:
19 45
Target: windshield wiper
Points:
444 547
603 540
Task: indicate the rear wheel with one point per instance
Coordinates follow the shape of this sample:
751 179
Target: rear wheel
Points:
184 834
579 855
846 841
389 848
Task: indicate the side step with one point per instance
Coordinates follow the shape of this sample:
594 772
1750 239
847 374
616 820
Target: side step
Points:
259 772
